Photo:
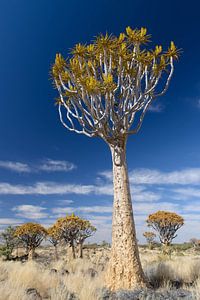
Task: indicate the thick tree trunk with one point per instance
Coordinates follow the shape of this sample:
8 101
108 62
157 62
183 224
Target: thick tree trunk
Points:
73 250
81 250
124 268
56 252
31 254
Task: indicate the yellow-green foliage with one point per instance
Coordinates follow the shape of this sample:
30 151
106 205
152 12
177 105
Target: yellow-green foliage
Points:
84 69
73 228
166 223
150 236
54 234
165 218
31 234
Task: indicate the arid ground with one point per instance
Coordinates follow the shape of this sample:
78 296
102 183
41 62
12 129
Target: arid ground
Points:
172 277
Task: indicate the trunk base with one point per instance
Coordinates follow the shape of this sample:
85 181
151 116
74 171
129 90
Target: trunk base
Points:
124 268
123 276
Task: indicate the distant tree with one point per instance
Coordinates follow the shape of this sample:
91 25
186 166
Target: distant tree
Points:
8 242
31 235
105 244
54 237
85 231
74 230
105 89
166 224
150 236
195 243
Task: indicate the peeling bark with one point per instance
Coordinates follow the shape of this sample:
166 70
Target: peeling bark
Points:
124 269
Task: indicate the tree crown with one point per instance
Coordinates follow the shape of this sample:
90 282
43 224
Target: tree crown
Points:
30 229
54 234
165 218
166 223
103 84
72 227
149 234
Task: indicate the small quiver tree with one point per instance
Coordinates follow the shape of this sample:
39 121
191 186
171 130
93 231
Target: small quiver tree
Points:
105 89
8 242
31 235
166 224
73 230
195 243
54 237
85 231
150 236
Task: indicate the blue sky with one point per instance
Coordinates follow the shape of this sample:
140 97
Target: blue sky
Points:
46 171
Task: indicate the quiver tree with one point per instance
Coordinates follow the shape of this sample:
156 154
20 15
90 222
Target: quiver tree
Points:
105 89
86 230
54 237
195 243
31 235
70 228
150 236
166 224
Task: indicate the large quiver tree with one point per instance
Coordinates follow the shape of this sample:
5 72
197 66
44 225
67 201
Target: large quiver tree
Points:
105 89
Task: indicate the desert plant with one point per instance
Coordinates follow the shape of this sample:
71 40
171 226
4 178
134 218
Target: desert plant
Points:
195 243
105 89
74 230
105 244
150 236
54 237
85 231
166 224
31 235
8 242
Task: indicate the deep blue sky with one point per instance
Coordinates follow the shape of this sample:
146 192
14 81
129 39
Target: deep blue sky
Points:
31 33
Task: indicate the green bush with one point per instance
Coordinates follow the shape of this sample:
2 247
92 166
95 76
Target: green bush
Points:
8 242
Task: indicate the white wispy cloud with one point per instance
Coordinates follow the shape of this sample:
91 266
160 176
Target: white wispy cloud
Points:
157 108
65 202
82 209
15 166
10 221
186 193
151 176
50 165
47 165
30 211
53 188
182 177
45 188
